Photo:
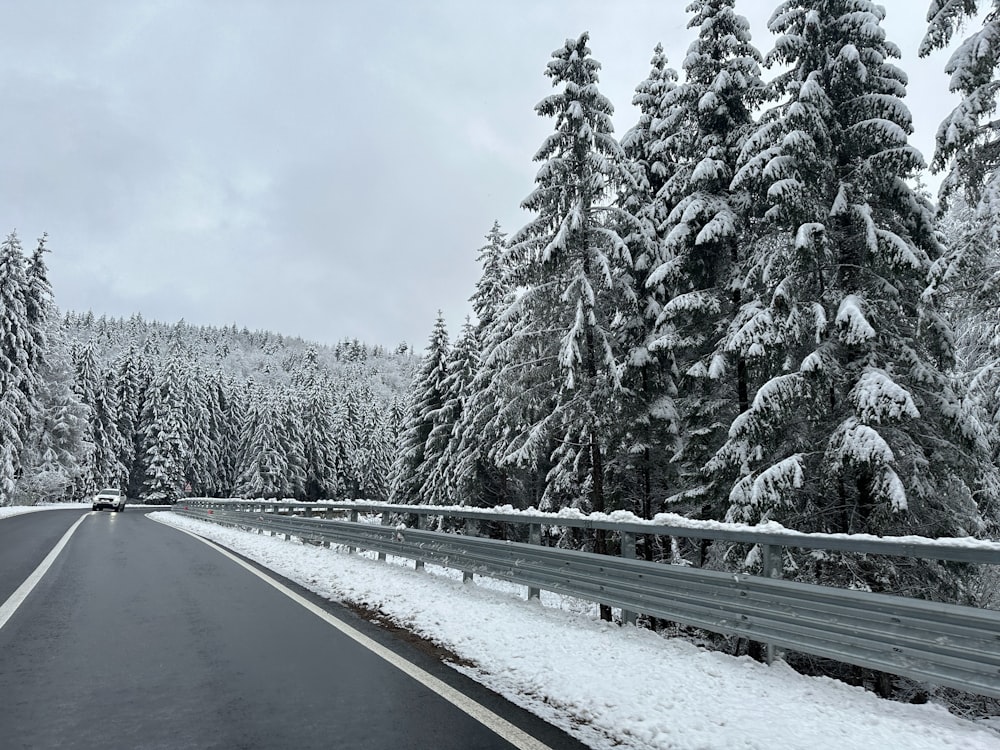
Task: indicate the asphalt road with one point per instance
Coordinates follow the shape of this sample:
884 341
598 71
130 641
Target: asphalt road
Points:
140 636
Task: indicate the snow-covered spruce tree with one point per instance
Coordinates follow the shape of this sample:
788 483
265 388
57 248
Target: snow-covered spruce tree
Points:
642 469
163 444
57 451
233 398
15 369
477 480
559 390
165 431
968 140
969 281
443 447
322 478
97 391
266 470
38 307
132 378
705 122
427 396
375 452
855 425
348 411
968 145
291 436
201 418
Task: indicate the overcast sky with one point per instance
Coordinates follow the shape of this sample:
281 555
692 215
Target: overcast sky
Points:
316 168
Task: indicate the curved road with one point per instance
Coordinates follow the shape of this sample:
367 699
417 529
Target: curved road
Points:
140 636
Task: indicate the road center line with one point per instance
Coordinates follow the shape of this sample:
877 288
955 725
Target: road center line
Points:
15 600
515 736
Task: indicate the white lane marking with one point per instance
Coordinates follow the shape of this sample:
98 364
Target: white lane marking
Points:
515 736
17 598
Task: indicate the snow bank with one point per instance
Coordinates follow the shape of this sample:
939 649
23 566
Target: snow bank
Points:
612 687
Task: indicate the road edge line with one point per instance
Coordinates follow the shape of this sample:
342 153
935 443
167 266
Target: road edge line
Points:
15 600
496 723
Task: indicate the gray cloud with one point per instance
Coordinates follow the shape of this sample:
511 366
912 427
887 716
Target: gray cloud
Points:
318 169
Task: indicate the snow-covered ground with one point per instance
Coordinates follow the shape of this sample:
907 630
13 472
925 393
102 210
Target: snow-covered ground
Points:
610 686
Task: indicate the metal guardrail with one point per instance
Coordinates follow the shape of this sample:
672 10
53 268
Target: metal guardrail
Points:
944 644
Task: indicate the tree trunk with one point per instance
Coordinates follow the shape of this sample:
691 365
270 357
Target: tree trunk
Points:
597 502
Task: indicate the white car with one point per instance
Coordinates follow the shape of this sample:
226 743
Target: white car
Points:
110 498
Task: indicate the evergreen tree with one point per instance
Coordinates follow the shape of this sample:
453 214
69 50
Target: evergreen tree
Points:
132 380
57 450
477 479
649 419
968 278
266 470
706 121
165 442
427 396
16 376
968 140
97 391
38 310
375 457
443 447
322 478
559 393
855 426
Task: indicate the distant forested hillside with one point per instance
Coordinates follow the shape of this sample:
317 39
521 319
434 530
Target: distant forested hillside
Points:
172 410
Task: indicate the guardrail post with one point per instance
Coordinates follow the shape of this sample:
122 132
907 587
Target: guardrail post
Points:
771 569
419 525
534 537
353 519
628 552
471 529
386 521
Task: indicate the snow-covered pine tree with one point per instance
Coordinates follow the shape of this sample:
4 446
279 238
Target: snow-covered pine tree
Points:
322 476
132 379
202 429
705 122
57 451
97 391
968 146
375 452
346 408
265 471
165 435
427 396
163 445
16 376
649 418
968 139
968 279
477 479
291 436
855 425
558 392
39 308
443 448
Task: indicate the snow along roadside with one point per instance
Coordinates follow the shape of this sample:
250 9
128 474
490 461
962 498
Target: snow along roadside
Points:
611 687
